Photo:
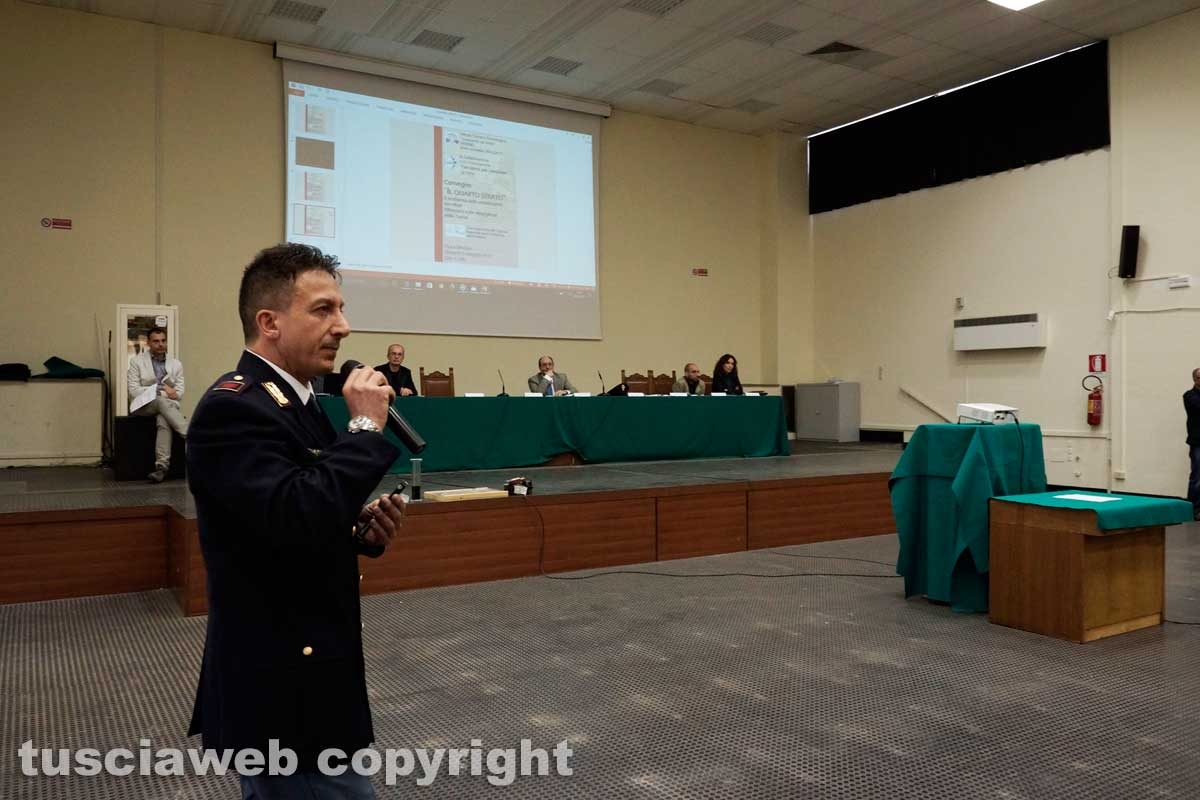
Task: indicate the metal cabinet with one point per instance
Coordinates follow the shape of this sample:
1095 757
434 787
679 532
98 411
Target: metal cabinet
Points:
827 411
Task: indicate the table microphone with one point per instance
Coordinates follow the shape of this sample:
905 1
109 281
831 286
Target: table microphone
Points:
397 424
503 391
601 377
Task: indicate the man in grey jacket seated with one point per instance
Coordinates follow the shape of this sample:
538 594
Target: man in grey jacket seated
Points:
155 368
690 382
547 381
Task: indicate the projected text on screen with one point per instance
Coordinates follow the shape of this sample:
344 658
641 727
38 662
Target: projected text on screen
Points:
414 198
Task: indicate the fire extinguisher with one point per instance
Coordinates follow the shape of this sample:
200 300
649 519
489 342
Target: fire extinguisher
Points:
1095 401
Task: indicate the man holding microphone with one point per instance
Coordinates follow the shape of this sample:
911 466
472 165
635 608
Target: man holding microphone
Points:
281 506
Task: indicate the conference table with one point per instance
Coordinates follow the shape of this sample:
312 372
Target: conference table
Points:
500 432
940 491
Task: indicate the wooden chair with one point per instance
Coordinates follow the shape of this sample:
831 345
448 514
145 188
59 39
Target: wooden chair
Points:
637 382
662 383
437 384
707 383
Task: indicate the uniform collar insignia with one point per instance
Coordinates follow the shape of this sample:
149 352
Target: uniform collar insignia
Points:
276 394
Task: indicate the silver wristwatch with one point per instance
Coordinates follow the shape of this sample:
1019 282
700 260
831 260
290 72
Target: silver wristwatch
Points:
362 423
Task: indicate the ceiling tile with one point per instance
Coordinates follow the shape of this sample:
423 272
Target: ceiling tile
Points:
274 29
881 10
1136 15
373 47
358 16
687 75
612 29
954 22
726 55
932 55
706 13
1026 52
598 64
528 14
653 39
709 90
143 10
415 56
802 17
1005 28
475 9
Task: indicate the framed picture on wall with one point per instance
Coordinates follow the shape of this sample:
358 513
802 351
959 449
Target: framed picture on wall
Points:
130 337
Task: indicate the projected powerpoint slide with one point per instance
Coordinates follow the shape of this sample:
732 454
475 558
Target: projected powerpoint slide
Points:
314 153
479 215
319 187
313 220
476 187
318 120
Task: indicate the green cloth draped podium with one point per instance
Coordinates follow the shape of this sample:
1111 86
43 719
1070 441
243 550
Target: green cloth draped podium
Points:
1113 511
499 432
940 491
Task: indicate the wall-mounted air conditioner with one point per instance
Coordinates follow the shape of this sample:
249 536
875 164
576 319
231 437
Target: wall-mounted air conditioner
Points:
1000 333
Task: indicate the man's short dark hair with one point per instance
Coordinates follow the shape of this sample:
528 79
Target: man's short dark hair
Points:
154 330
270 278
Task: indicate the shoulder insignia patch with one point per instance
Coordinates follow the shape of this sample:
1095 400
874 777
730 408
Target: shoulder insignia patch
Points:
236 386
276 394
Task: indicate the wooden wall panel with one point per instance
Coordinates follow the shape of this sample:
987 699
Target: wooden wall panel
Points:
462 546
68 554
819 510
186 574
589 535
102 551
701 524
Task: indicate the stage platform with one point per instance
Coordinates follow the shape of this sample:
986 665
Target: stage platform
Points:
74 531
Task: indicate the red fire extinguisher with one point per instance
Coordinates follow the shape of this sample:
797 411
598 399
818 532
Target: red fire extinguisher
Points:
1095 401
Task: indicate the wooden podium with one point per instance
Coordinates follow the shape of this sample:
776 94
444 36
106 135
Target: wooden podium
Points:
1054 572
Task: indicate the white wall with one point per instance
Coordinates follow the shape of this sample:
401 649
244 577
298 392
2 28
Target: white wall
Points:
1155 80
166 148
1039 239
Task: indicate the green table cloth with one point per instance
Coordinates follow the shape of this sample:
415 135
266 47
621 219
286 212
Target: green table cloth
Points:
1113 511
499 432
940 491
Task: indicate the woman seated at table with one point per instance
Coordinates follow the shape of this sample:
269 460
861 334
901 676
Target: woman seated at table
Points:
725 376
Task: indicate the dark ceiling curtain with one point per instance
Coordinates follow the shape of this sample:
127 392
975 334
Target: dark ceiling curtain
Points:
1046 111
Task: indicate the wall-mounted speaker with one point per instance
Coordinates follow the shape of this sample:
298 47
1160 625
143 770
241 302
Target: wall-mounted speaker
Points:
1130 236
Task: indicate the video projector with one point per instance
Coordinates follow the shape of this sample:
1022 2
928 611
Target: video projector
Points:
987 412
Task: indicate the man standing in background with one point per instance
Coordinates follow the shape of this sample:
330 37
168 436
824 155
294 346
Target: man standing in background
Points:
399 377
154 368
1191 404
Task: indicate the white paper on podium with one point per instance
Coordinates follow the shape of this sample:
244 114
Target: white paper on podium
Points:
1087 498
146 395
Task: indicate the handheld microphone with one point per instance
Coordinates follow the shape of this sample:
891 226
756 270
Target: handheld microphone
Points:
601 377
397 424
503 391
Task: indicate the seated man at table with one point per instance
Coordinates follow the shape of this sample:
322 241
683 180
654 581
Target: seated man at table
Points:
399 377
547 381
690 382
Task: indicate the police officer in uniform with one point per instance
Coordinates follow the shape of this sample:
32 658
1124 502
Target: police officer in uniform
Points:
278 493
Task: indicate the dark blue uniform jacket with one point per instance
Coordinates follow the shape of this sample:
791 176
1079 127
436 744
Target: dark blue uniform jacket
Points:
277 495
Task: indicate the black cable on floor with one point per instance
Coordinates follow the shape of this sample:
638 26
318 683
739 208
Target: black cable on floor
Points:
834 558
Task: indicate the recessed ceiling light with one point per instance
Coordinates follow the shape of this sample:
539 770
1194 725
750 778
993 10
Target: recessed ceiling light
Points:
1016 5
